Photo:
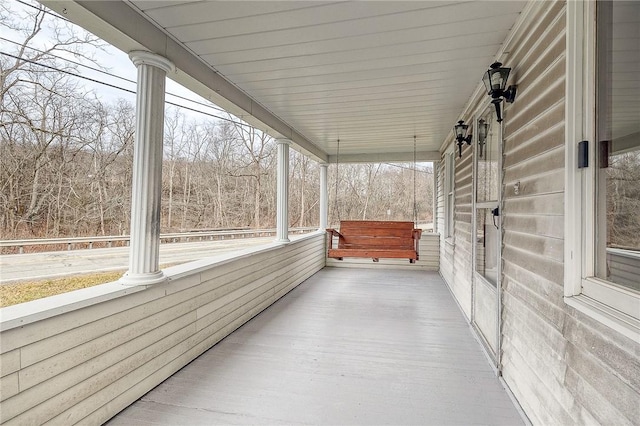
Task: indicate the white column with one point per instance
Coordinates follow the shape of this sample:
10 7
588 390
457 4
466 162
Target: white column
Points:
282 215
146 190
324 197
434 201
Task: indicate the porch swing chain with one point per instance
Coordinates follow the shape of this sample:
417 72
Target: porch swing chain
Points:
415 207
336 209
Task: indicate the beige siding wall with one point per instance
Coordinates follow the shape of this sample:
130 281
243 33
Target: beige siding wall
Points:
455 252
437 212
562 366
533 306
559 363
439 207
462 250
87 364
446 247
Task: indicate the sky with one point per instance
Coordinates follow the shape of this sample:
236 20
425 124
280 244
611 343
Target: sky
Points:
113 60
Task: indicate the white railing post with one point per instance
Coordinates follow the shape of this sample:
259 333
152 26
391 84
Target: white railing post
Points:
147 170
282 215
324 197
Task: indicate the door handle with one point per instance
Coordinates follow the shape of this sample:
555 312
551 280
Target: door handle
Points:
495 212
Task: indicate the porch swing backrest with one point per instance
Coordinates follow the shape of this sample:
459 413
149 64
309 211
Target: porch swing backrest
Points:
375 239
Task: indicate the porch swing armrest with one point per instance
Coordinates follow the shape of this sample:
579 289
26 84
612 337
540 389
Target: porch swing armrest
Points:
417 233
332 233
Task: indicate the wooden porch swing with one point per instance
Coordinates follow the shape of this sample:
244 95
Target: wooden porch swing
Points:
376 239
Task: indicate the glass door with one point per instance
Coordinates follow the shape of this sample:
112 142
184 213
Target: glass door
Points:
487 229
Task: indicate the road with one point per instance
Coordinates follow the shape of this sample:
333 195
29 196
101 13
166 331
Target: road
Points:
39 266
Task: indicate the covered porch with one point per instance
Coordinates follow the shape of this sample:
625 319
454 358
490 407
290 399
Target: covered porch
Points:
358 82
347 346
264 336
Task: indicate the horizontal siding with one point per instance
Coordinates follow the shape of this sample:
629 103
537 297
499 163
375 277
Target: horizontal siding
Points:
563 367
455 253
439 219
533 309
97 360
551 205
462 262
446 247
523 360
437 206
446 261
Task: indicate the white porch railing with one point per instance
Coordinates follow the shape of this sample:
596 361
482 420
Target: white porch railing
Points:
85 355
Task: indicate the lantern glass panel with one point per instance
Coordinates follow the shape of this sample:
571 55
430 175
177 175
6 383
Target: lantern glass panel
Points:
460 130
504 76
482 130
487 81
496 79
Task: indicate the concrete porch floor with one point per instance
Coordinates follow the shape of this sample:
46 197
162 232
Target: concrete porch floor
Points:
348 346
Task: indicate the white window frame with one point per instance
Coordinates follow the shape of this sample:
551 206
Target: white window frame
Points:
482 113
610 304
449 193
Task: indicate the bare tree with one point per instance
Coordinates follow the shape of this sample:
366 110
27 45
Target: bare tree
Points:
62 38
35 111
304 190
255 158
380 192
623 201
174 147
219 148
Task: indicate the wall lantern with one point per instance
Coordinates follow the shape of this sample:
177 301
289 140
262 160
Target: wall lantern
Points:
483 129
495 80
460 131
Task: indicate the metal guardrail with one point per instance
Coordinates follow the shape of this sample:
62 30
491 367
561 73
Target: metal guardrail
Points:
164 238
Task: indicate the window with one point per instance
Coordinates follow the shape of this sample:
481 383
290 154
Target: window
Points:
618 143
487 198
602 223
449 191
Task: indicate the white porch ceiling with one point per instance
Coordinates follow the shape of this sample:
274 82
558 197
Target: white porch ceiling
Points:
372 73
